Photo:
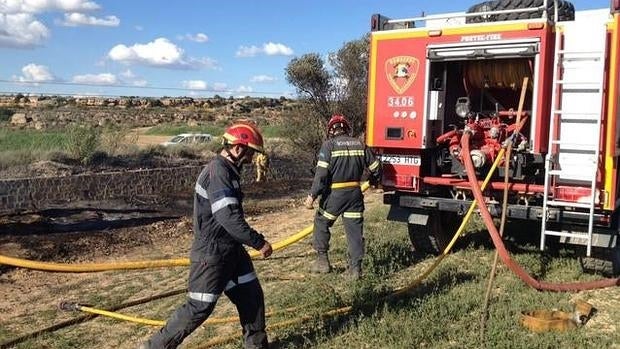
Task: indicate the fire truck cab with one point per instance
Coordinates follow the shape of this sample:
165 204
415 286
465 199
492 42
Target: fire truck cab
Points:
535 72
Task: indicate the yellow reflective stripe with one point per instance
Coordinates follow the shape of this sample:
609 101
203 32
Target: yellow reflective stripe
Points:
352 215
374 165
323 164
327 215
345 185
347 153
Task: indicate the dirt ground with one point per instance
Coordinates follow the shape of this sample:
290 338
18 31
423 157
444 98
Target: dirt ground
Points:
143 140
274 209
30 298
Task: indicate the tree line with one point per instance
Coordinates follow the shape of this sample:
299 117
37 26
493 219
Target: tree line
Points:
335 85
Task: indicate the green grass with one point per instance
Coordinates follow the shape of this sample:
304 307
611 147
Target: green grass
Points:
32 140
442 312
271 131
19 147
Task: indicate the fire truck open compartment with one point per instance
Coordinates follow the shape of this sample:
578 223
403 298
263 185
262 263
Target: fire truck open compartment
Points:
484 89
490 85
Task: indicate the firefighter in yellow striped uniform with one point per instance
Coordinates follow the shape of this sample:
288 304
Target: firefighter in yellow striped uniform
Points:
341 164
261 161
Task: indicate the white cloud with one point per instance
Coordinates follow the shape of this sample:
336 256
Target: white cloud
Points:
36 72
273 49
128 77
95 79
21 30
138 28
139 83
75 19
195 84
198 37
20 27
204 62
220 86
269 49
158 53
247 51
244 89
127 74
38 6
263 78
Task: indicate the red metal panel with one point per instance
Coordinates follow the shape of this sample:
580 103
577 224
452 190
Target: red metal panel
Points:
399 101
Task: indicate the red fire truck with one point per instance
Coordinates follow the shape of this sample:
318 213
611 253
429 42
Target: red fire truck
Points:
433 78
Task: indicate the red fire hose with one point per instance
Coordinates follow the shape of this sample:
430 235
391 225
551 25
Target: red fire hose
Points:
499 244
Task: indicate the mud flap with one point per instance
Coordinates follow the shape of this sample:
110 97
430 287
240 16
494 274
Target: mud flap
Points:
405 215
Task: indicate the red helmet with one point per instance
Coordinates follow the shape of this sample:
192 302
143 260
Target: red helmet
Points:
244 133
338 122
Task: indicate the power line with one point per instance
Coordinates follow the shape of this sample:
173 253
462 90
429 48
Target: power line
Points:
64 83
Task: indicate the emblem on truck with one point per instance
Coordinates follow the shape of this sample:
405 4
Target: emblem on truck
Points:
401 72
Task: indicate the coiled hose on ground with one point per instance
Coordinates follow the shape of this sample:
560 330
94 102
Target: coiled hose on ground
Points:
499 244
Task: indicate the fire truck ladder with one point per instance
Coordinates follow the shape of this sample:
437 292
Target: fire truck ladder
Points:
578 87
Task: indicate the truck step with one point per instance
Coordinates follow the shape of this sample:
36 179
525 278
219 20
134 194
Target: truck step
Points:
580 83
575 146
573 113
568 174
568 204
595 54
567 234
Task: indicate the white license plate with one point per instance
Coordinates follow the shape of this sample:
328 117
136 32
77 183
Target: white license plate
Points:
406 160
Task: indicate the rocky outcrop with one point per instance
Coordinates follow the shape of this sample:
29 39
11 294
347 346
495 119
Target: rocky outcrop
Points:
42 112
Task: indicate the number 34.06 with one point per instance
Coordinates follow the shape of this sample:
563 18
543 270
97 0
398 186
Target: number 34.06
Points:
400 101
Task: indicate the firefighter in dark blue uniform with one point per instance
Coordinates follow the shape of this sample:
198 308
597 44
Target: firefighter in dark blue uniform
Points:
219 262
341 164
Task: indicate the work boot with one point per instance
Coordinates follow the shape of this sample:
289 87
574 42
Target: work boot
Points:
354 273
321 264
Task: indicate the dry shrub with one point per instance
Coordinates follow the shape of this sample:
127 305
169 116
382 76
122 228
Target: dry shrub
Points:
117 140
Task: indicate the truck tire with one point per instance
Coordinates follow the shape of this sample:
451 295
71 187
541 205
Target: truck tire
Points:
433 237
566 10
596 265
606 262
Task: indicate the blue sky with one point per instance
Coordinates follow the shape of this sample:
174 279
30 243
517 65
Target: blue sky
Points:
182 48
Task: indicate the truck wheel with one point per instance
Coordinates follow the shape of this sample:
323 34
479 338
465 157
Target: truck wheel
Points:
433 237
597 265
566 10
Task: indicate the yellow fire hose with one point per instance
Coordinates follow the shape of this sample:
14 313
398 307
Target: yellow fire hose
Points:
458 233
69 306
223 340
339 311
94 267
159 263
399 292
90 267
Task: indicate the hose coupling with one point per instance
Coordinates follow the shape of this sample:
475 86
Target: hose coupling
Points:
68 306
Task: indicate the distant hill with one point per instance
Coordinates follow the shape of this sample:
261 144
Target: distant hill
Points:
44 112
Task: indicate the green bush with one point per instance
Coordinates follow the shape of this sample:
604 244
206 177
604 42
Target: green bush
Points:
5 114
82 142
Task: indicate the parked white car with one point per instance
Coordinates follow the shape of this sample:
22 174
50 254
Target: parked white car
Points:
189 138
